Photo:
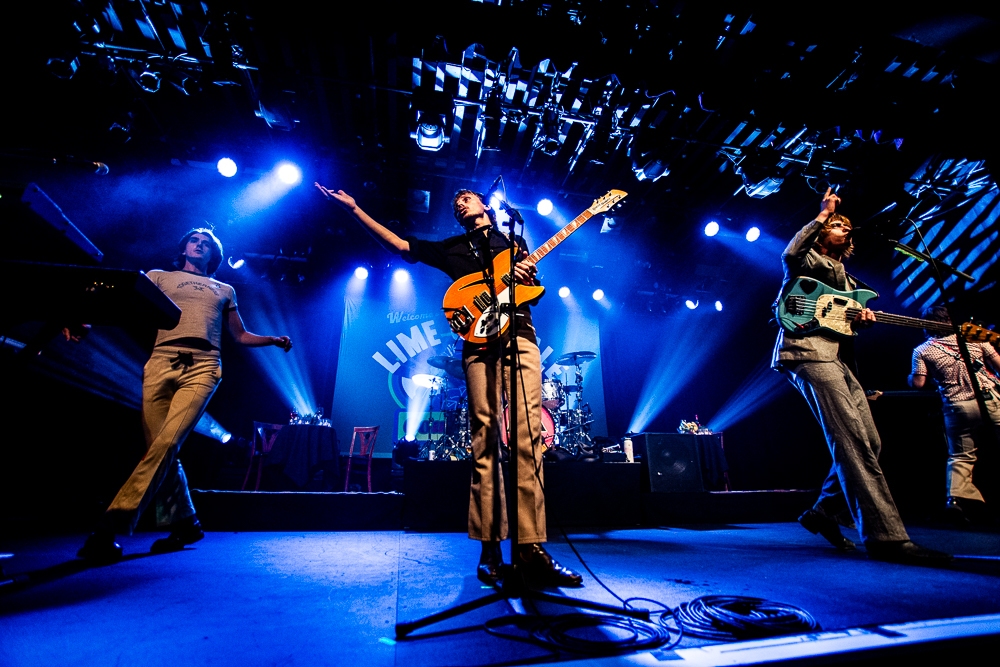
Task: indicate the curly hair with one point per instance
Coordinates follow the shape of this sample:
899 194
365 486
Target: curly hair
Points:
217 253
825 230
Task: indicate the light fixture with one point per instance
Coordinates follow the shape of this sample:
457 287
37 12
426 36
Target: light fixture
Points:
547 139
236 263
712 228
651 166
759 171
227 167
492 116
148 80
289 174
544 207
598 294
63 68
691 304
718 306
753 234
564 291
400 275
361 273
430 132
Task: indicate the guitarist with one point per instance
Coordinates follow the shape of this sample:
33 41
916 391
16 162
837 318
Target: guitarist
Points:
855 492
459 256
939 360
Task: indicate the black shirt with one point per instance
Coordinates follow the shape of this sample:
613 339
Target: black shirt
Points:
456 258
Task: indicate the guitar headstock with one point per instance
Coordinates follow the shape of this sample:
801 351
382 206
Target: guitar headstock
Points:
977 334
602 204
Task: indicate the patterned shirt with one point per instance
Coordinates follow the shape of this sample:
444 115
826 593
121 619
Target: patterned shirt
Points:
940 360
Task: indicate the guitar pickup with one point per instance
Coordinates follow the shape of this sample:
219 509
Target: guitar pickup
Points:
461 320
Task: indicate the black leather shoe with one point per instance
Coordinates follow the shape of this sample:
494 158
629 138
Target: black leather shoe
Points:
815 523
540 569
490 562
907 553
188 531
955 513
101 549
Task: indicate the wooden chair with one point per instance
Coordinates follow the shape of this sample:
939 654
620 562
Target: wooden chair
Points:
264 435
365 435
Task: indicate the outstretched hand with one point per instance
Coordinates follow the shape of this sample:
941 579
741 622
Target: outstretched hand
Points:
828 205
344 199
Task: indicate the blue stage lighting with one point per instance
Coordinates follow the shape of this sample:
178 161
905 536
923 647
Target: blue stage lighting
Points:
289 174
361 273
401 275
718 306
495 200
544 207
235 263
226 167
712 228
753 234
598 294
691 304
564 292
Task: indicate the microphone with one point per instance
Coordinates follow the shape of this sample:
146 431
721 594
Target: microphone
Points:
93 167
493 188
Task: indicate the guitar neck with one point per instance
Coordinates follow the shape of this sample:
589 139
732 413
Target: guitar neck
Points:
904 321
559 237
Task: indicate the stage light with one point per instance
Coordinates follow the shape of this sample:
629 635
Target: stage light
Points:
598 294
691 304
712 228
63 68
495 202
361 273
148 80
544 207
430 132
236 263
564 292
289 174
753 234
226 167
718 306
400 275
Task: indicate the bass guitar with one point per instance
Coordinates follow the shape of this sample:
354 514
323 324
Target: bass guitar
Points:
807 306
468 304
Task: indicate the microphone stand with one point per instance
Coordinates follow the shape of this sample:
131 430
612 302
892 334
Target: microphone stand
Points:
511 584
963 347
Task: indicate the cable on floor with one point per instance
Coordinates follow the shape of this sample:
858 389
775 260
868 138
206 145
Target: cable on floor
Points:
734 617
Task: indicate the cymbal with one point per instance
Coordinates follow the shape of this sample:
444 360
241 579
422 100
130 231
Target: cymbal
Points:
576 358
450 365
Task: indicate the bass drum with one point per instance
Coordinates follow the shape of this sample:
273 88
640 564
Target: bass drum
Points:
548 428
552 394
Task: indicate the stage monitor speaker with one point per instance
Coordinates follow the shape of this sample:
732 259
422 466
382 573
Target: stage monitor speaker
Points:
672 462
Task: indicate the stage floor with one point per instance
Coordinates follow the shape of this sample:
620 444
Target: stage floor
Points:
324 598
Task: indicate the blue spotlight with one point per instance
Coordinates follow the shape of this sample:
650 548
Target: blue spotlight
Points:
712 228
544 207
753 234
718 306
226 167
495 200
361 273
235 263
691 304
289 174
401 275
564 292
598 294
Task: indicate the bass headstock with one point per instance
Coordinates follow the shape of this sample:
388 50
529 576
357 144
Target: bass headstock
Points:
605 203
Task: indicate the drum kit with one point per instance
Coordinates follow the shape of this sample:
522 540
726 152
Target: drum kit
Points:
566 419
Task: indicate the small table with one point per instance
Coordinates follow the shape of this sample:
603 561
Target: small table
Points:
300 451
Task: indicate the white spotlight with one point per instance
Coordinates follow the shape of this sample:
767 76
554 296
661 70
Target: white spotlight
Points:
289 174
712 228
226 167
235 263
691 304
718 306
400 275
564 292
495 202
544 207
598 294
361 273
753 234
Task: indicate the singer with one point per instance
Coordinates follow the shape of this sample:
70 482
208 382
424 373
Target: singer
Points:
458 256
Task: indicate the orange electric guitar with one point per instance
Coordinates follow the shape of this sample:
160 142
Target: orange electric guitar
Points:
468 304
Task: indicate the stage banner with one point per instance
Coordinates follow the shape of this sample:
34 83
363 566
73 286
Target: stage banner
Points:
399 366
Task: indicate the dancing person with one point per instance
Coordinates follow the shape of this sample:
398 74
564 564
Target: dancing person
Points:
180 377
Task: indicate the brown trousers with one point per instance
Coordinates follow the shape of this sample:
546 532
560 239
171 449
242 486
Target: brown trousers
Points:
487 499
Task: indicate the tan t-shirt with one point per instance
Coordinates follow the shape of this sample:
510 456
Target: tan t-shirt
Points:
204 304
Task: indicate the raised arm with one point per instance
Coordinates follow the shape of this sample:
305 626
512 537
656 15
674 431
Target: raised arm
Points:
389 240
806 237
244 337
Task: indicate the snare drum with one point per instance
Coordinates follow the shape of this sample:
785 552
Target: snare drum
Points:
552 394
